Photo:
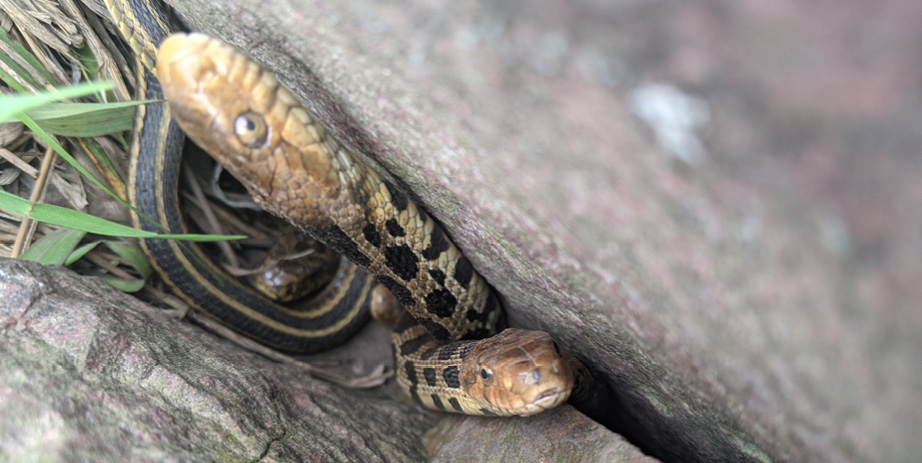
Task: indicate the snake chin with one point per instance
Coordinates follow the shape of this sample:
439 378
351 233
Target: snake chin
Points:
547 400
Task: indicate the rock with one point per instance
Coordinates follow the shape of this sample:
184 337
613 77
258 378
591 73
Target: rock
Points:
561 434
90 374
710 202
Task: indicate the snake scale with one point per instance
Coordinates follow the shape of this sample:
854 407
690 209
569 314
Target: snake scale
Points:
449 354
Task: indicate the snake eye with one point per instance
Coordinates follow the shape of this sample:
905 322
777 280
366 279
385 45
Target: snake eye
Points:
251 129
486 374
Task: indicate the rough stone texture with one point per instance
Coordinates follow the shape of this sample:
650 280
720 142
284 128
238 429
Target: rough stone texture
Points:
751 294
91 374
557 435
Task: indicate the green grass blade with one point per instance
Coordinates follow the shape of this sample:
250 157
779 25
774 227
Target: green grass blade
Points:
134 256
85 119
70 218
80 252
31 124
12 105
137 259
28 57
54 248
35 127
11 82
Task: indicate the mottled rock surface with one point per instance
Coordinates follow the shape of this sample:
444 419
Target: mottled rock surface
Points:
90 374
714 202
557 435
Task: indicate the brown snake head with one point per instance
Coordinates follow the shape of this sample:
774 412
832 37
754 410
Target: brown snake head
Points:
241 115
517 372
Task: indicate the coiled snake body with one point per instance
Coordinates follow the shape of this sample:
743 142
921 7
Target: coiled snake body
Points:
294 169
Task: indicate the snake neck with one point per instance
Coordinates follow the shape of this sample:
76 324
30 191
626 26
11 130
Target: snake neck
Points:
429 371
411 255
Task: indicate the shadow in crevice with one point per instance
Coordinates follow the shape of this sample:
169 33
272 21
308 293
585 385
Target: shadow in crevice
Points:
623 411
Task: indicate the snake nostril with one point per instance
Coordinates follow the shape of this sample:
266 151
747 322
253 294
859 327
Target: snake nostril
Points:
534 377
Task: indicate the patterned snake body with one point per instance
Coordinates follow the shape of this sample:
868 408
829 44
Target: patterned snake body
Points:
249 123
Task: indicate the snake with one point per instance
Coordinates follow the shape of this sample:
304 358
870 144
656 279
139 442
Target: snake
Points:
451 352
317 324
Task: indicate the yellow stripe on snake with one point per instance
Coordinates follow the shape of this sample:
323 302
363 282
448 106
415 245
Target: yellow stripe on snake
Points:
294 169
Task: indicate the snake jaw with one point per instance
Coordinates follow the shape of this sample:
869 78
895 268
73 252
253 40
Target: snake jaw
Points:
546 400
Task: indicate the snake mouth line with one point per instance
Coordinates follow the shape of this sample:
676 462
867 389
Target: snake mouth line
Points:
550 396
547 400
